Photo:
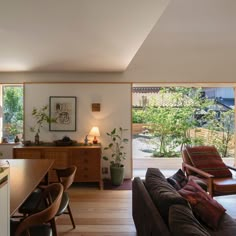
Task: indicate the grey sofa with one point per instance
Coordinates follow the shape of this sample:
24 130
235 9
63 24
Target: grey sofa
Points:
158 209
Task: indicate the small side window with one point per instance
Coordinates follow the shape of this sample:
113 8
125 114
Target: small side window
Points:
12 113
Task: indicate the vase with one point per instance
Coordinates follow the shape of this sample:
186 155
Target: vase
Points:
36 139
16 140
117 175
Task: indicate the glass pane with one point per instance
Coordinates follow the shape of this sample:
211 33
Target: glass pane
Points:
12 112
166 118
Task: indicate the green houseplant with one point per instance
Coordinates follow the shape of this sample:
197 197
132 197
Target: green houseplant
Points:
41 116
117 154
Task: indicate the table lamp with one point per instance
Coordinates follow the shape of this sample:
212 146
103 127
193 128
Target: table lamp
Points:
94 132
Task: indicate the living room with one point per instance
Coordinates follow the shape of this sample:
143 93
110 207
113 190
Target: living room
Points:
96 51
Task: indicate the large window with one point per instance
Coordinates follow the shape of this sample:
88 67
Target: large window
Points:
11 112
166 118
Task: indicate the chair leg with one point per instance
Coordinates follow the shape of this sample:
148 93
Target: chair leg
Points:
54 227
71 216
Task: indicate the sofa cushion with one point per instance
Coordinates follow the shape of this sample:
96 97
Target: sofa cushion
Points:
183 222
206 209
209 160
226 227
178 180
161 192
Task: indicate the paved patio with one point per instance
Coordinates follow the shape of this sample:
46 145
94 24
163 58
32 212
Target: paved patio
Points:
167 165
142 159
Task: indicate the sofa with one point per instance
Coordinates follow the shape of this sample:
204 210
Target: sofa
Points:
161 208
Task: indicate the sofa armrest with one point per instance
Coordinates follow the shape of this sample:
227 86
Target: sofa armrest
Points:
147 218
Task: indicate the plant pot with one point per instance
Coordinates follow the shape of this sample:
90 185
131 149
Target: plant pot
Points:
117 175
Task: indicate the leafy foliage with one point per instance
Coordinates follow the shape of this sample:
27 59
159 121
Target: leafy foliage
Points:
222 130
138 116
178 112
41 116
12 110
116 147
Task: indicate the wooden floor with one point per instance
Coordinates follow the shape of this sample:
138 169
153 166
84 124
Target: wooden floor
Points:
98 212
109 213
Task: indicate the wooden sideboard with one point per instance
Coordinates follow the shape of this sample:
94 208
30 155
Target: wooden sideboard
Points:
86 158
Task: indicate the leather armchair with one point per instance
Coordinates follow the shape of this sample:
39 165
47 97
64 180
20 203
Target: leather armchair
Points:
216 185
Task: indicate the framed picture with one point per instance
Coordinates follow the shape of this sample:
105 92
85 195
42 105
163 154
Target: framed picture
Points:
63 109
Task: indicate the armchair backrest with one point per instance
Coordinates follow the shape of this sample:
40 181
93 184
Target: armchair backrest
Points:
206 158
187 160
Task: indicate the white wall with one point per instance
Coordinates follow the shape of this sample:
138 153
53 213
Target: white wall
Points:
6 150
115 100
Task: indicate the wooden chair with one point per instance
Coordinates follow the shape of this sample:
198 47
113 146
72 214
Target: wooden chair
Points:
66 178
37 224
205 163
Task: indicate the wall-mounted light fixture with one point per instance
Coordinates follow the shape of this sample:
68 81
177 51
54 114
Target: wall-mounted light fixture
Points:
96 107
95 133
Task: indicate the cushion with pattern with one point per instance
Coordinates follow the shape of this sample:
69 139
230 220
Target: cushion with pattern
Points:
208 159
206 209
178 180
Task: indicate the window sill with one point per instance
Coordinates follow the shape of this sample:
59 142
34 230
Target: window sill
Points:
10 143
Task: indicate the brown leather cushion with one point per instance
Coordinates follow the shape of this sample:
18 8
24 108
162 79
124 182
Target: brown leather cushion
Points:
204 206
207 158
226 185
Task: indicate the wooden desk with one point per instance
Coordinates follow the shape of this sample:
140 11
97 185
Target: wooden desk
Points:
25 175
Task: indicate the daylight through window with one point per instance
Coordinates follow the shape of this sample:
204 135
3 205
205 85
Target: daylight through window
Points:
11 113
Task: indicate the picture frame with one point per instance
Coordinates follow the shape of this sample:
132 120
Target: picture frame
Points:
63 110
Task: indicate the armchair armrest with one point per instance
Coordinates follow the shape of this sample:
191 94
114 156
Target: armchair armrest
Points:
196 170
203 174
231 168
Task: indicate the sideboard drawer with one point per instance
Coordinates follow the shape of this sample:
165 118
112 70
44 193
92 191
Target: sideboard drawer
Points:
86 158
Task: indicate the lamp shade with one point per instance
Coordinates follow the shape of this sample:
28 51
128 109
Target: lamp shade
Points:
94 132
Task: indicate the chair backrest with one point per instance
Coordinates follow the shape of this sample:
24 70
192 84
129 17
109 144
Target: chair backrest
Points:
66 176
186 159
52 196
206 158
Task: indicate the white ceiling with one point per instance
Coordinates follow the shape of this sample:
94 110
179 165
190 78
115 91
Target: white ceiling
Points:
105 35
74 35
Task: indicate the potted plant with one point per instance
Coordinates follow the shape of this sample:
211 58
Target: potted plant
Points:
41 116
117 155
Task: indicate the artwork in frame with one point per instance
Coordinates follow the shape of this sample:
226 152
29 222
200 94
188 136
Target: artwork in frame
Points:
63 109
